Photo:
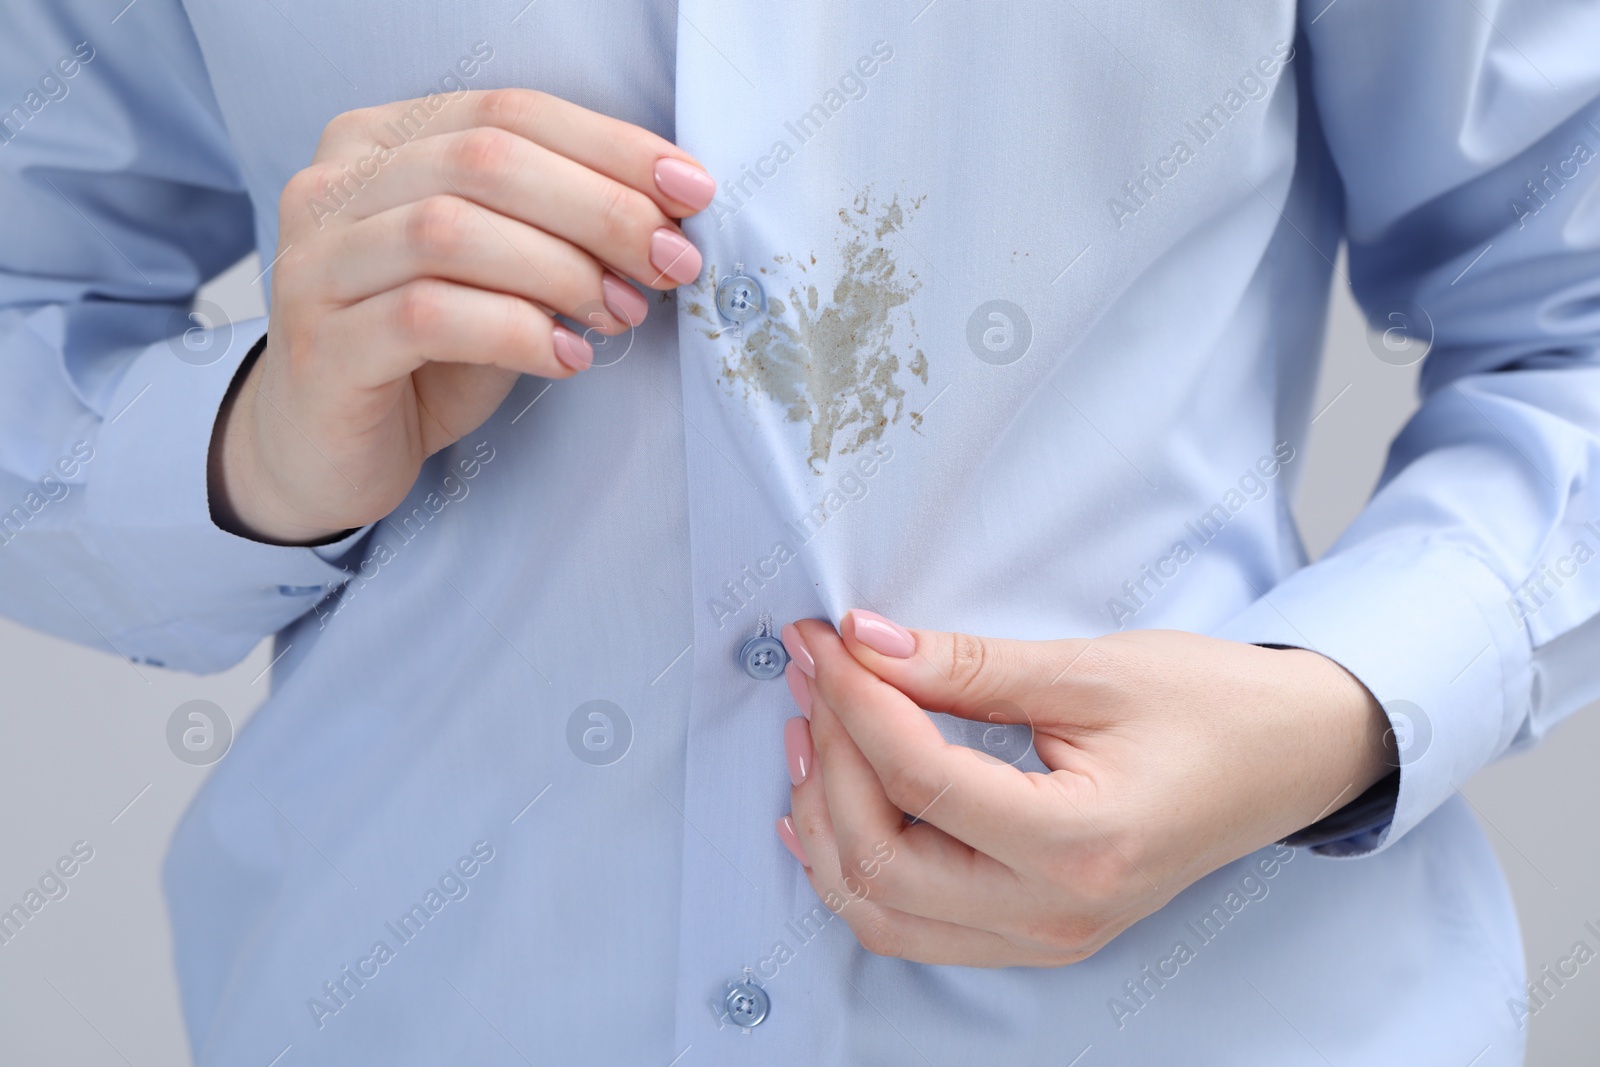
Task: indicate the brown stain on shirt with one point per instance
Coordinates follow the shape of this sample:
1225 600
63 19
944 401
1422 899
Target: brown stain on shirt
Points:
836 362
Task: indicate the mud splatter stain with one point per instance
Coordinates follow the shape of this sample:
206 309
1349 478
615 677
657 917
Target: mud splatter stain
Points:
836 361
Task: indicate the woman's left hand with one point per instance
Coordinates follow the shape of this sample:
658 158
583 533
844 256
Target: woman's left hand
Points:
1170 755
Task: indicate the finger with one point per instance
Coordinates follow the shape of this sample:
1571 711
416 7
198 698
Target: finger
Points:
437 321
620 150
453 399
883 930
918 869
982 802
869 823
454 239
984 678
620 226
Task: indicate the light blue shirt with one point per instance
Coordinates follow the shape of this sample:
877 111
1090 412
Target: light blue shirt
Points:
1044 292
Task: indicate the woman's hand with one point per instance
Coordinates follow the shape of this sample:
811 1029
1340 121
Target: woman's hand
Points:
422 258
1170 755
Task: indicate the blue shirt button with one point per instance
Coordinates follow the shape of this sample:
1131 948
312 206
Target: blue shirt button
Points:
763 658
739 297
747 1004
299 590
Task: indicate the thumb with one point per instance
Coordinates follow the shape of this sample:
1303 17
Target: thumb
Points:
987 679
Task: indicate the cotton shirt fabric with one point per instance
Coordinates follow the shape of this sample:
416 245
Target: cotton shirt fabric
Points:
1156 193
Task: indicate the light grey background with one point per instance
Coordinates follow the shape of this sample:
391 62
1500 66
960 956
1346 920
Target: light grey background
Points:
83 756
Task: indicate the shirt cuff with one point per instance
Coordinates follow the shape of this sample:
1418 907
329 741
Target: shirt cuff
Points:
335 551
210 595
1426 628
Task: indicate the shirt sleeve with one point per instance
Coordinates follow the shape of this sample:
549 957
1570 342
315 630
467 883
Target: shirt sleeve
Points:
1465 596
122 196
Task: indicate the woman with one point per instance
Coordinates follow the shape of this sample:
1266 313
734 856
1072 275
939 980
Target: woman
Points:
622 358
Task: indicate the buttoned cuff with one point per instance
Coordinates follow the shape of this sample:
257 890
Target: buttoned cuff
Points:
1427 629
334 551
209 595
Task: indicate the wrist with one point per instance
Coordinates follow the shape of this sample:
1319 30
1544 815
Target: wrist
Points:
239 491
1360 745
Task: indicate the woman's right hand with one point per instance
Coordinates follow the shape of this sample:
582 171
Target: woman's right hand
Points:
415 282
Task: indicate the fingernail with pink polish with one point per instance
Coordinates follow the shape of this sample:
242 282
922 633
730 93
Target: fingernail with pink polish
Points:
625 303
798 688
673 255
571 349
685 182
882 636
791 839
795 645
797 749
